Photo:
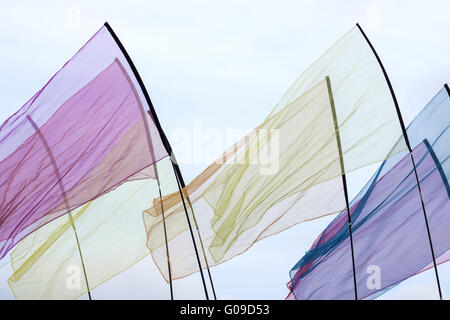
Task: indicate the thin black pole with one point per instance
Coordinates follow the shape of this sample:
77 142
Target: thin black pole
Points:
177 169
405 136
165 237
155 167
190 228
448 90
63 191
202 247
143 89
164 139
344 179
196 225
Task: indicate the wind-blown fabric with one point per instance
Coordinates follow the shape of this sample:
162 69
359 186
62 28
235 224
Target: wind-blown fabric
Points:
244 197
86 145
47 265
91 113
388 226
293 177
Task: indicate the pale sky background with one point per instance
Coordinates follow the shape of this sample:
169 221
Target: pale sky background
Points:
224 65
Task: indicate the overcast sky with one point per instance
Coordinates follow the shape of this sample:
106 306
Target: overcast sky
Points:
223 65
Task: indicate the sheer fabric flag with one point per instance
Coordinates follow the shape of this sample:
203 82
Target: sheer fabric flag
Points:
46 264
92 116
389 231
365 111
107 148
294 185
236 203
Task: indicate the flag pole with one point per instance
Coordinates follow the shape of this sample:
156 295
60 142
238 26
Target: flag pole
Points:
344 179
154 164
405 136
164 139
176 170
66 202
165 233
183 186
202 247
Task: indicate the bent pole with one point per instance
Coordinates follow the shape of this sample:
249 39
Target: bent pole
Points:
155 168
202 247
164 139
165 234
183 186
176 171
344 179
63 192
405 136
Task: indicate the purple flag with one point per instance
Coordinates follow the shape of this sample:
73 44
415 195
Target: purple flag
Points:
93 117
389 232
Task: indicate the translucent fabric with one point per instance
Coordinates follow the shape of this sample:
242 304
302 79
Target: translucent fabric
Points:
390 237
47 265
365 110
86 145
84 133
294 187
237 202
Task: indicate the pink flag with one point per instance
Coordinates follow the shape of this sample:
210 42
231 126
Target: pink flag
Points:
90 121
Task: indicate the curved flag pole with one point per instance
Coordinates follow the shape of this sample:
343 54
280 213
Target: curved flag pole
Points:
181 181
165 142
155 167
180 189
405 136
344 179
165 235
201 245
66 202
